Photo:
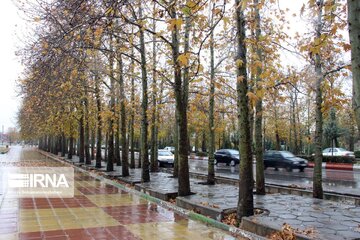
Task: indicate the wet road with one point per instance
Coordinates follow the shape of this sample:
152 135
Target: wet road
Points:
96 211
333 180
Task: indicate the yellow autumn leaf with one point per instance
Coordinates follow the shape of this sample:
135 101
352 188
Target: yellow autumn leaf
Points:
172 23
240 78
190 4
239 63
184 59
252 98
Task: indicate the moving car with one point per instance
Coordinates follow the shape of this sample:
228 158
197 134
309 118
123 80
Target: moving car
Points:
165 157
228 156
337 152
284 159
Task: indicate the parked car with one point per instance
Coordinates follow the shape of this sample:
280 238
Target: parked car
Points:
284 159
337 152
171 149
228 156
165 157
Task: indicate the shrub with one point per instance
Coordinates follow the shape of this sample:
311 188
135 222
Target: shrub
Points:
330 159
357 154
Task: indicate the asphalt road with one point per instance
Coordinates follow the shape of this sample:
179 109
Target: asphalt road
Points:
333 180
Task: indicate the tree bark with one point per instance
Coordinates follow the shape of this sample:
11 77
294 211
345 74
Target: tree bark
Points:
71 147
354 34
92 144
154 140
124 143
110 155
176 143
181 107
145 174
99 124
317 176
246 184
87 131
132 116
211 159
81 140
260 178
63 144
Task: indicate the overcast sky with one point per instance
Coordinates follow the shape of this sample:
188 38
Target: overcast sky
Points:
10 67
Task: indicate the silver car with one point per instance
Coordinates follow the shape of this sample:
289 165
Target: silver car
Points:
165 157
337 152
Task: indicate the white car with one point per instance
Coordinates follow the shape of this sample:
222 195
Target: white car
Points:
171 149
165 157
337 152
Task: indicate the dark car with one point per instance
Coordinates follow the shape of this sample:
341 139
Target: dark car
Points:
228 156
284 159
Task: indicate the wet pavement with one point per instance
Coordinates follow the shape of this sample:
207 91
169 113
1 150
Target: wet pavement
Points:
97 211
311 218
340 181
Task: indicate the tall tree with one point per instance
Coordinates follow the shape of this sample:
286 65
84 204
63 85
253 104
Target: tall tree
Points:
246 202
317 177
260 178
354 33
145 174
211 165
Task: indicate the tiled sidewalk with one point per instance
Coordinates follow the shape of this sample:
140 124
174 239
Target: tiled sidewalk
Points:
97 211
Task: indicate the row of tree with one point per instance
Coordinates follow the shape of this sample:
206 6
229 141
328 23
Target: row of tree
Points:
140 74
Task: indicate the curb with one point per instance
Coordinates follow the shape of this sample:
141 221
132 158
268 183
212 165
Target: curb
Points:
186 213
337 166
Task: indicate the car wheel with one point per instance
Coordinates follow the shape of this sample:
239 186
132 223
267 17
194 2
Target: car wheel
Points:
232 163
215 162
301 169
289 168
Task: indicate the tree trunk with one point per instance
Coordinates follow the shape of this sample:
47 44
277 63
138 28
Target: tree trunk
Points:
92 144
277 136
132 116
317 176
124 146
154 140
111 157
211 159
117 142
176 143
81 140
246 184
145 174
181 91
71 147
260 178
87 132
99 124
63 144
354 34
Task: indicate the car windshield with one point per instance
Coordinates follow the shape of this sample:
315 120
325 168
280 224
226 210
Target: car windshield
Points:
342 150
287 154
165 153
234 152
